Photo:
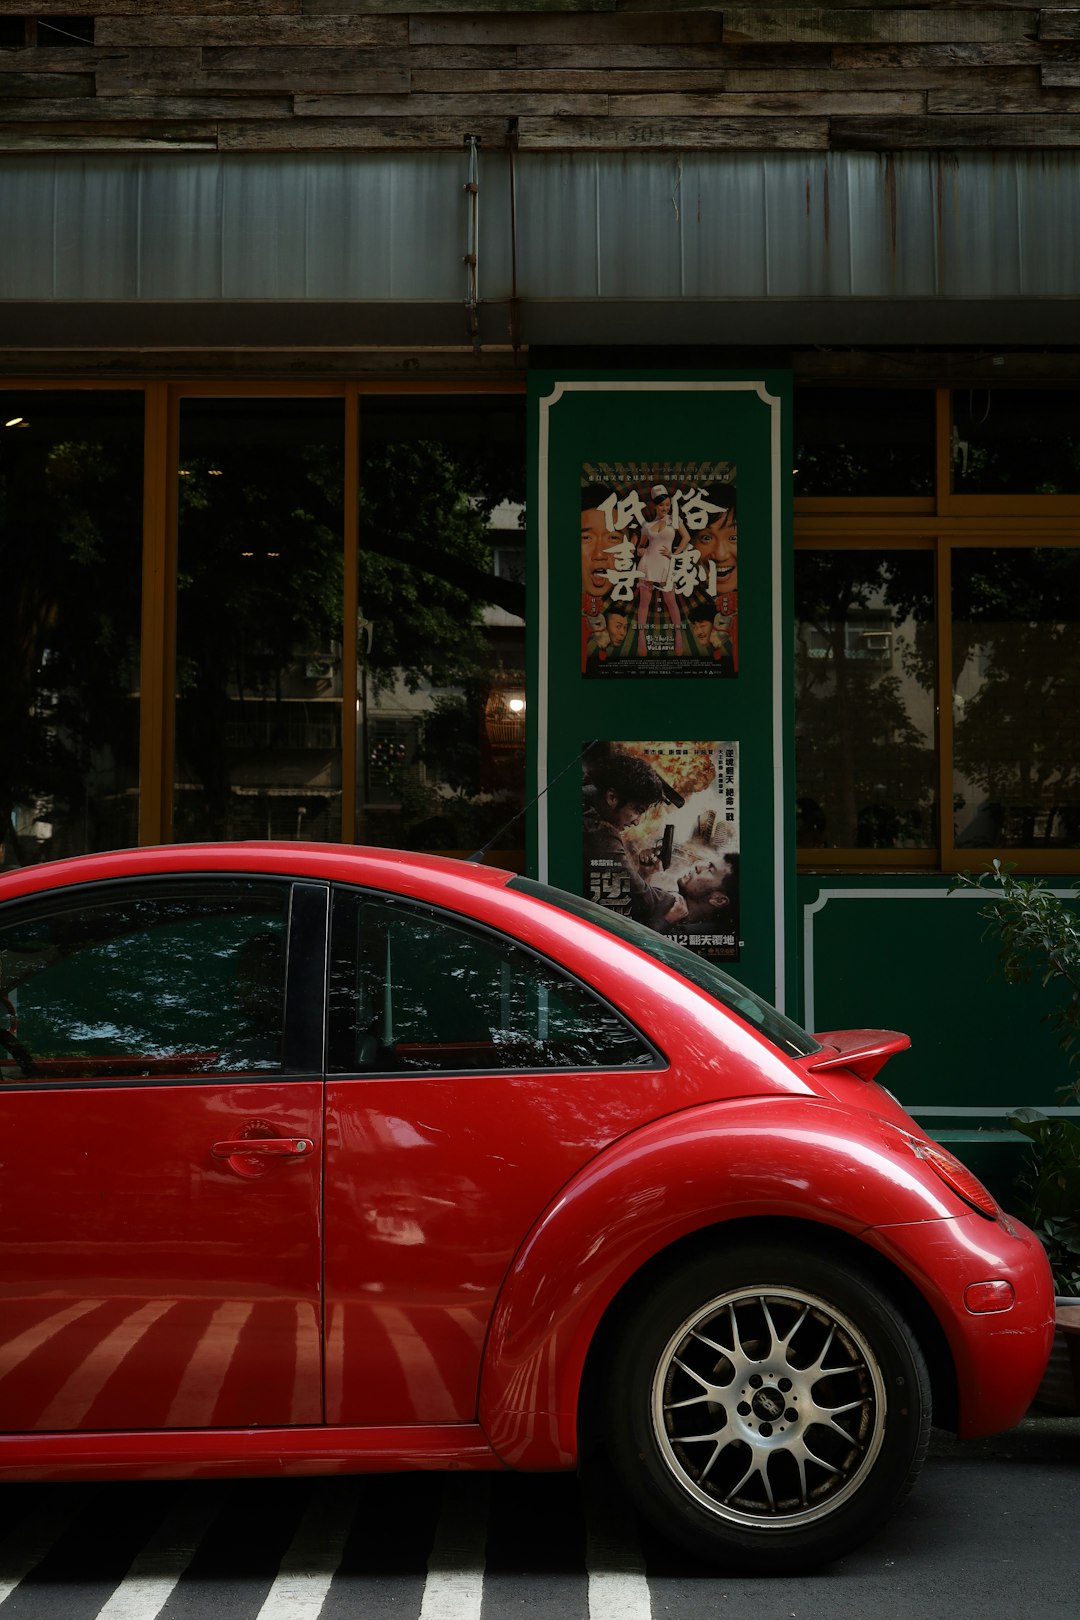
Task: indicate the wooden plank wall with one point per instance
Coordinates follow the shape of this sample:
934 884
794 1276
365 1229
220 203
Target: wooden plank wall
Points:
324 75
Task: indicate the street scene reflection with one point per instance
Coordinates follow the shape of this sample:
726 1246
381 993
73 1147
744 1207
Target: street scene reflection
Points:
258 621
1016 660
864 672
70 562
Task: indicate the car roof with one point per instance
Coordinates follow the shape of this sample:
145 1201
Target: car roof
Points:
402 870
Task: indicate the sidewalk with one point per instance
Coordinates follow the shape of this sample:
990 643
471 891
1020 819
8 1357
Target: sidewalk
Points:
1039 1437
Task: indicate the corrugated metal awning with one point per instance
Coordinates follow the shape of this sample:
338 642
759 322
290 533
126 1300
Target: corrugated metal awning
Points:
360 249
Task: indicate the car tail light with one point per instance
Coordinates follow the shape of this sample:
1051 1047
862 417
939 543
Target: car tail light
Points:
955 1175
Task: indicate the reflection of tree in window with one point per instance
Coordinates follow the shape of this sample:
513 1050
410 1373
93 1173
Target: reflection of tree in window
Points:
1015 441
258 618
864 441
864 685
429 994
70 526
1016 670
432 474
152 979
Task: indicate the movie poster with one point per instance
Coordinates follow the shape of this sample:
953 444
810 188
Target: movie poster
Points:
659 569
661 838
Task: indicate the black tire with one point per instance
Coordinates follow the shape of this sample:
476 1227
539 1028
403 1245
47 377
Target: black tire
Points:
768 1407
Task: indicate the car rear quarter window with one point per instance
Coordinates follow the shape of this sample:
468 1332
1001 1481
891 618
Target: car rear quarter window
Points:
142 985
781 1031
412 988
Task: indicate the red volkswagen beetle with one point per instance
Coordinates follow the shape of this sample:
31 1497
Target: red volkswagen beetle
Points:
325 1159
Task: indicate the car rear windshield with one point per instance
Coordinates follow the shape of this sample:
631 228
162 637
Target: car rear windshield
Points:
789 1037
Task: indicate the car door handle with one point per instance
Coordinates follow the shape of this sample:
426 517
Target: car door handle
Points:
269 1146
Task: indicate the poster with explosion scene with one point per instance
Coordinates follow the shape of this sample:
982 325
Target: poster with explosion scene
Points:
659 569
661 838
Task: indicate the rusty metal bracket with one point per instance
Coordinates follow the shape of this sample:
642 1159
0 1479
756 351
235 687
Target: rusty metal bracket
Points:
472 256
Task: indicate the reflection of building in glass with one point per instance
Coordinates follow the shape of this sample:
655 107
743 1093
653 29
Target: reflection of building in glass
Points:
1016 776
865 722
442 765
867 734
70 553
280 749
504 711
867 636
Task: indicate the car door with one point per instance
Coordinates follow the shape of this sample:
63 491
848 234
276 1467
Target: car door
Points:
160 1156
467 1080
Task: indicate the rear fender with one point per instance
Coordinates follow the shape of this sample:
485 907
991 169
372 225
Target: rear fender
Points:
785 1157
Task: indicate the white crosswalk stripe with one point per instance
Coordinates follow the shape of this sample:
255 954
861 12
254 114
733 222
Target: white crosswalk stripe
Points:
453 1584
312 1558
454 1589
27 1544
155 1571
618 1588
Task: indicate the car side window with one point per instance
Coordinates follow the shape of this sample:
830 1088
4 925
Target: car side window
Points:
146 985
412 988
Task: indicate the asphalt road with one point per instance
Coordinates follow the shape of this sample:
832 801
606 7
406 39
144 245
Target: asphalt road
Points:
990 1530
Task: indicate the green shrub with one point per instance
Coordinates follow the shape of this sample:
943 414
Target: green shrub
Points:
1039 936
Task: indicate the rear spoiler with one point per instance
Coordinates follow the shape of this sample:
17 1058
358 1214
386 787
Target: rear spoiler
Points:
863 1051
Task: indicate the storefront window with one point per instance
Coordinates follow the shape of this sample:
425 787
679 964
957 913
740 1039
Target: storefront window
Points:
1015 678
70 566
864 442
259 619
440 679
865 682
1015 441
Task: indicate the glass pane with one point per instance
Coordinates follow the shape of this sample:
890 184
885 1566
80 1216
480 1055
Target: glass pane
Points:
259 616
1016 441
864 700
70 565
1016 673
864 441
146 987
705 974
441 713
412 990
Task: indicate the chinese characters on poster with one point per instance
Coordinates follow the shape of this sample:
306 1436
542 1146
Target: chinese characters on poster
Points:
659 569
661 838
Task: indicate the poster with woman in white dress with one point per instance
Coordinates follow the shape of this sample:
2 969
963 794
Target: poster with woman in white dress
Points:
659 569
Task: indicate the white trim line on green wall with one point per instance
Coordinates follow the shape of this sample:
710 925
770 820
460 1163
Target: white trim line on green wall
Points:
825 895
920 1110
540 728
943 1111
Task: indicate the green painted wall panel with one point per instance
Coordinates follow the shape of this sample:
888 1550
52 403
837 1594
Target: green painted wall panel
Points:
604 417
904 953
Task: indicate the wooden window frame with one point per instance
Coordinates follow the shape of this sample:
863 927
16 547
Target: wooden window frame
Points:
944 524
1028 507
941 523
161 459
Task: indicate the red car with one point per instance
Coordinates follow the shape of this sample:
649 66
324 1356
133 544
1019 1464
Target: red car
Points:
321 1159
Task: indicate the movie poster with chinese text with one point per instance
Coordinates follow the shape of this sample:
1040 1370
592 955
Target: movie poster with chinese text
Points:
661 839
659 569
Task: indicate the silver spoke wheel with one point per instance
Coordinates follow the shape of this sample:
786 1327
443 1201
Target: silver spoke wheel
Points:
768 1407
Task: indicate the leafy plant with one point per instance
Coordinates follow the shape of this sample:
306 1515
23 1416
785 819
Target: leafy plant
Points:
1039 936
1050 1182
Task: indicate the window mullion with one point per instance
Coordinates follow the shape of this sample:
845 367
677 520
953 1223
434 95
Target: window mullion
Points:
943 440
943 599
350 610
158 593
